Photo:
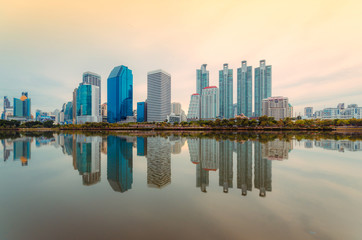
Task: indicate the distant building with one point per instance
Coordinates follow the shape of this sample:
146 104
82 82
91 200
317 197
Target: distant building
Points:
176 108
119 94
308 112
202 78
291 110
104 112
226 92
173 118
87 104
210 103
74 107
262 86
142 112
244 90
194 108
8 109
22 106
158 95
277 107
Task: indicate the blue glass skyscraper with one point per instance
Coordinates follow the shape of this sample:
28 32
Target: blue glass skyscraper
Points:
226 92
244 90
141 112
22 107
263 86
202 78
119 94
119 163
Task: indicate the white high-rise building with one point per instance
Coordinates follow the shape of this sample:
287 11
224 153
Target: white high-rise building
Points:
158 95
210 103
176 108
194 108
277 107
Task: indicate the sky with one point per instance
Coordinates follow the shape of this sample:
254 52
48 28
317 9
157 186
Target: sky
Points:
314 47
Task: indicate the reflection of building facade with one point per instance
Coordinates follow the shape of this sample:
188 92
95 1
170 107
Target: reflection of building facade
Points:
262 171
244 167
21 148
119 163
277 149
88 158
340 145
226 164
142 146
158 162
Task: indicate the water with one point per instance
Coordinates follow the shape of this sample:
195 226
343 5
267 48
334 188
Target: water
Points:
82 186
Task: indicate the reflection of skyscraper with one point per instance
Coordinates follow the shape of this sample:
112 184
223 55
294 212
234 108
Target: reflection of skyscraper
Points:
202 177
141 146
226 164
210 154
194 149
245 162
277 149
158 162
262 168
22 150
88 156
8 148
119 163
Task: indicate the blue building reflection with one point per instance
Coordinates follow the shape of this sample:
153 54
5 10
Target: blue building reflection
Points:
119 163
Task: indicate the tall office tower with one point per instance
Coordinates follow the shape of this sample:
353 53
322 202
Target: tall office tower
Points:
263 86
194 108
176 108
75 105
226 164
142 112
88 158
22 106
119 94
158 95
202 78
210 103
308 112
88 104
68 113
158 162
6 103
119 163
244 90
226 92
277 107
262 171
244 165
94 79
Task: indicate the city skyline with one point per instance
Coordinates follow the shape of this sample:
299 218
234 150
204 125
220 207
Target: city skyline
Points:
311 53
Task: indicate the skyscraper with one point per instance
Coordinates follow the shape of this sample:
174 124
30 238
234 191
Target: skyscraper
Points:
244 90
176 108
263 86
202 78
194 107
22 106
6 103
226 92
141 112
120 94
158 95
210 103
88 104
94 79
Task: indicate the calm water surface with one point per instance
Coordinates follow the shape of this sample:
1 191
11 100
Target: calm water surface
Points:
64 186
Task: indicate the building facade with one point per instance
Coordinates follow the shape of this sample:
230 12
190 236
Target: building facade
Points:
88 104
277 107
308 112
94 79
202 78
119 94
210 103
158 95
141 112
194 108
244 90
22 106
226 92
176 108
263 86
